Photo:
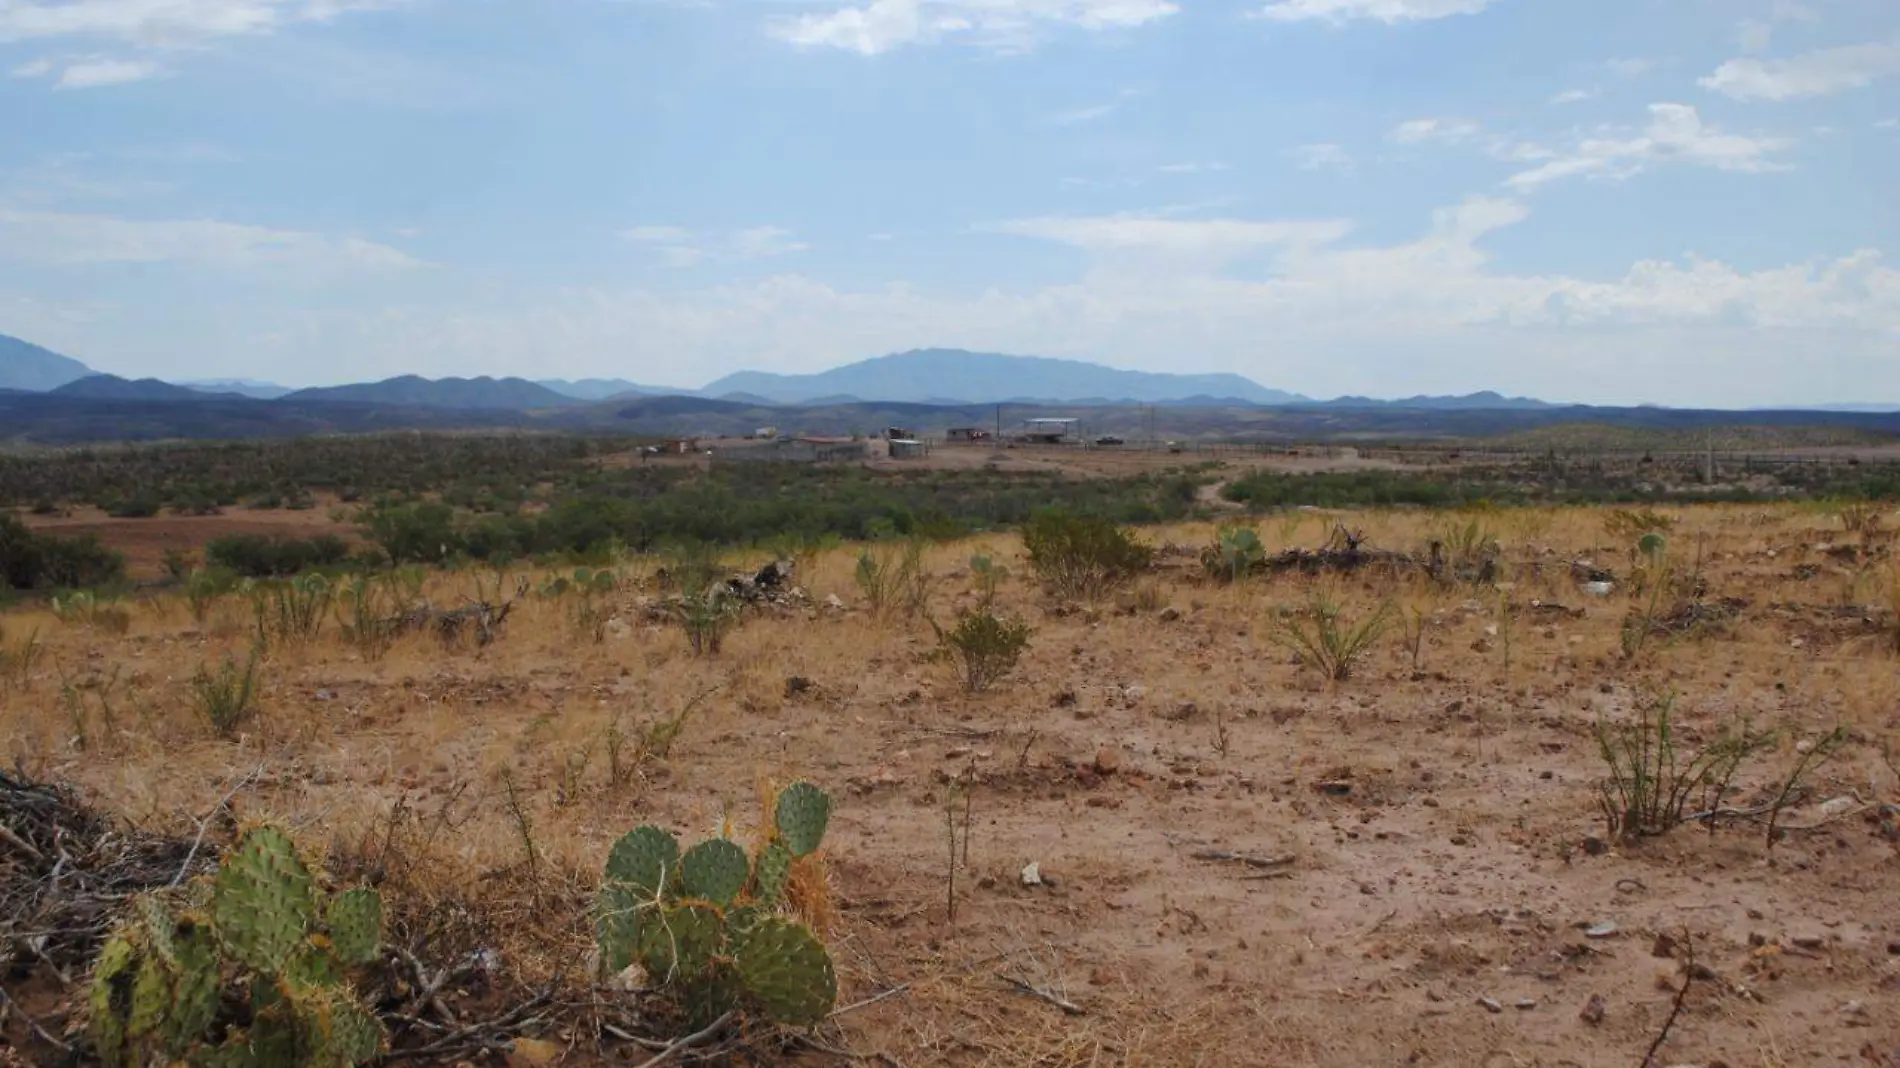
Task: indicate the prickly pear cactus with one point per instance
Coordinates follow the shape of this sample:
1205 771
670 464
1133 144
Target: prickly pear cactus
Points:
159 982
803 812
706 925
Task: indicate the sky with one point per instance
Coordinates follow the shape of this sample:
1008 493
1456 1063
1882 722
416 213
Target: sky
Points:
1687 202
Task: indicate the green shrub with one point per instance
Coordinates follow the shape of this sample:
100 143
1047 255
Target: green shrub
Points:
1325 640
983 647
227 697
1082 557
707 616
1650 782
894 579
271 556
138 506
41 561
290 611
420 533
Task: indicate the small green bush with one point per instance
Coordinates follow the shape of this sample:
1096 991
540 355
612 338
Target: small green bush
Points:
1325 640
45 561
227 697
1082 557
270 556
984 648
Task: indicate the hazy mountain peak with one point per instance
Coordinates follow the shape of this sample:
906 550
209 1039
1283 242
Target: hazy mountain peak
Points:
24 365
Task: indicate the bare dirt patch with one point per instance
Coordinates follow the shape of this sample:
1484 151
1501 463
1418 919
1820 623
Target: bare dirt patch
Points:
1237 863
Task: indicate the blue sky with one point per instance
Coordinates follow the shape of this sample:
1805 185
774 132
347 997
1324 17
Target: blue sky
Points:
1675 201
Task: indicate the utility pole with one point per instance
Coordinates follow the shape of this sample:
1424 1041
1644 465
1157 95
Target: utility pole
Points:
999 425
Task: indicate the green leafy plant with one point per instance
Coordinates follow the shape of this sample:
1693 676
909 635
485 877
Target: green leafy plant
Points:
1651 581
709 926
1651 778
1081 557
983 646
1324 639
290 611
895 580
249 968
707 617
204 588
226 697
83 608
987 576
366 615
1236 552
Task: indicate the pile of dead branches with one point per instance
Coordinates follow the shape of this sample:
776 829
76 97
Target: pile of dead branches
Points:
66 871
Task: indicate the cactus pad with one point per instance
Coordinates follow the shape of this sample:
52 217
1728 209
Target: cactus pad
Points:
196 988
803 812
774 866
264 899
680 943
786 969
643 858
714 870
355 1035
617 927
355 918
108 978
151 997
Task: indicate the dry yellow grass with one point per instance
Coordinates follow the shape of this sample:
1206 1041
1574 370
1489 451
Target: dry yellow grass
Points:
1435 819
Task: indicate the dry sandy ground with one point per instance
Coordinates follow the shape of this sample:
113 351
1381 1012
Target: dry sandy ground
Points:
1430 901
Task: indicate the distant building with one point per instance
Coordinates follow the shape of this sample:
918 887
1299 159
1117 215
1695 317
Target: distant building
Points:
1048 431
968 434
907 449
766 433
806 450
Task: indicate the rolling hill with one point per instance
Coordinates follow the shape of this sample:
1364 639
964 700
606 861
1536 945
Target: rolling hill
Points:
112 387
461 394
26 366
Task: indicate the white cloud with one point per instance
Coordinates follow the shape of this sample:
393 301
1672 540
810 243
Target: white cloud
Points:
93 73
1082 115
70 239
164 22
1822 73
1386 11
38 68
1442 131
1317 157
1575 96
1675 134
1193 168
1427 314
680 247
1004 25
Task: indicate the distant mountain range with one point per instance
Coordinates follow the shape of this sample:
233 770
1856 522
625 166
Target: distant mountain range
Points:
941 379
26 366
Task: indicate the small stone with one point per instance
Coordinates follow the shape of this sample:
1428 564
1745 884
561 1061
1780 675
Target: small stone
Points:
1853 1008
1606 929
1893 948
1492 1005
534 1053
1593 1010
1809 942
1524 1004
1170 614
1108 760
1032 874
1664 946
1595 846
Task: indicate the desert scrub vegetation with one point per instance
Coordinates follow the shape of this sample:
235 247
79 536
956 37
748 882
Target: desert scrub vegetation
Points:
713 928
1323 637
268 556
30 561
1083 557
226 696
894 579
983 647
250 966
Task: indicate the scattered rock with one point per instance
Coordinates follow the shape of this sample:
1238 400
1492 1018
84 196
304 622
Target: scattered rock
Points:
1595 846
534 1053
1809 942
796 685
1333 787
1491 1005
1108 760
1593 1010
1170 614
1664 946
1032 874
1606 929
